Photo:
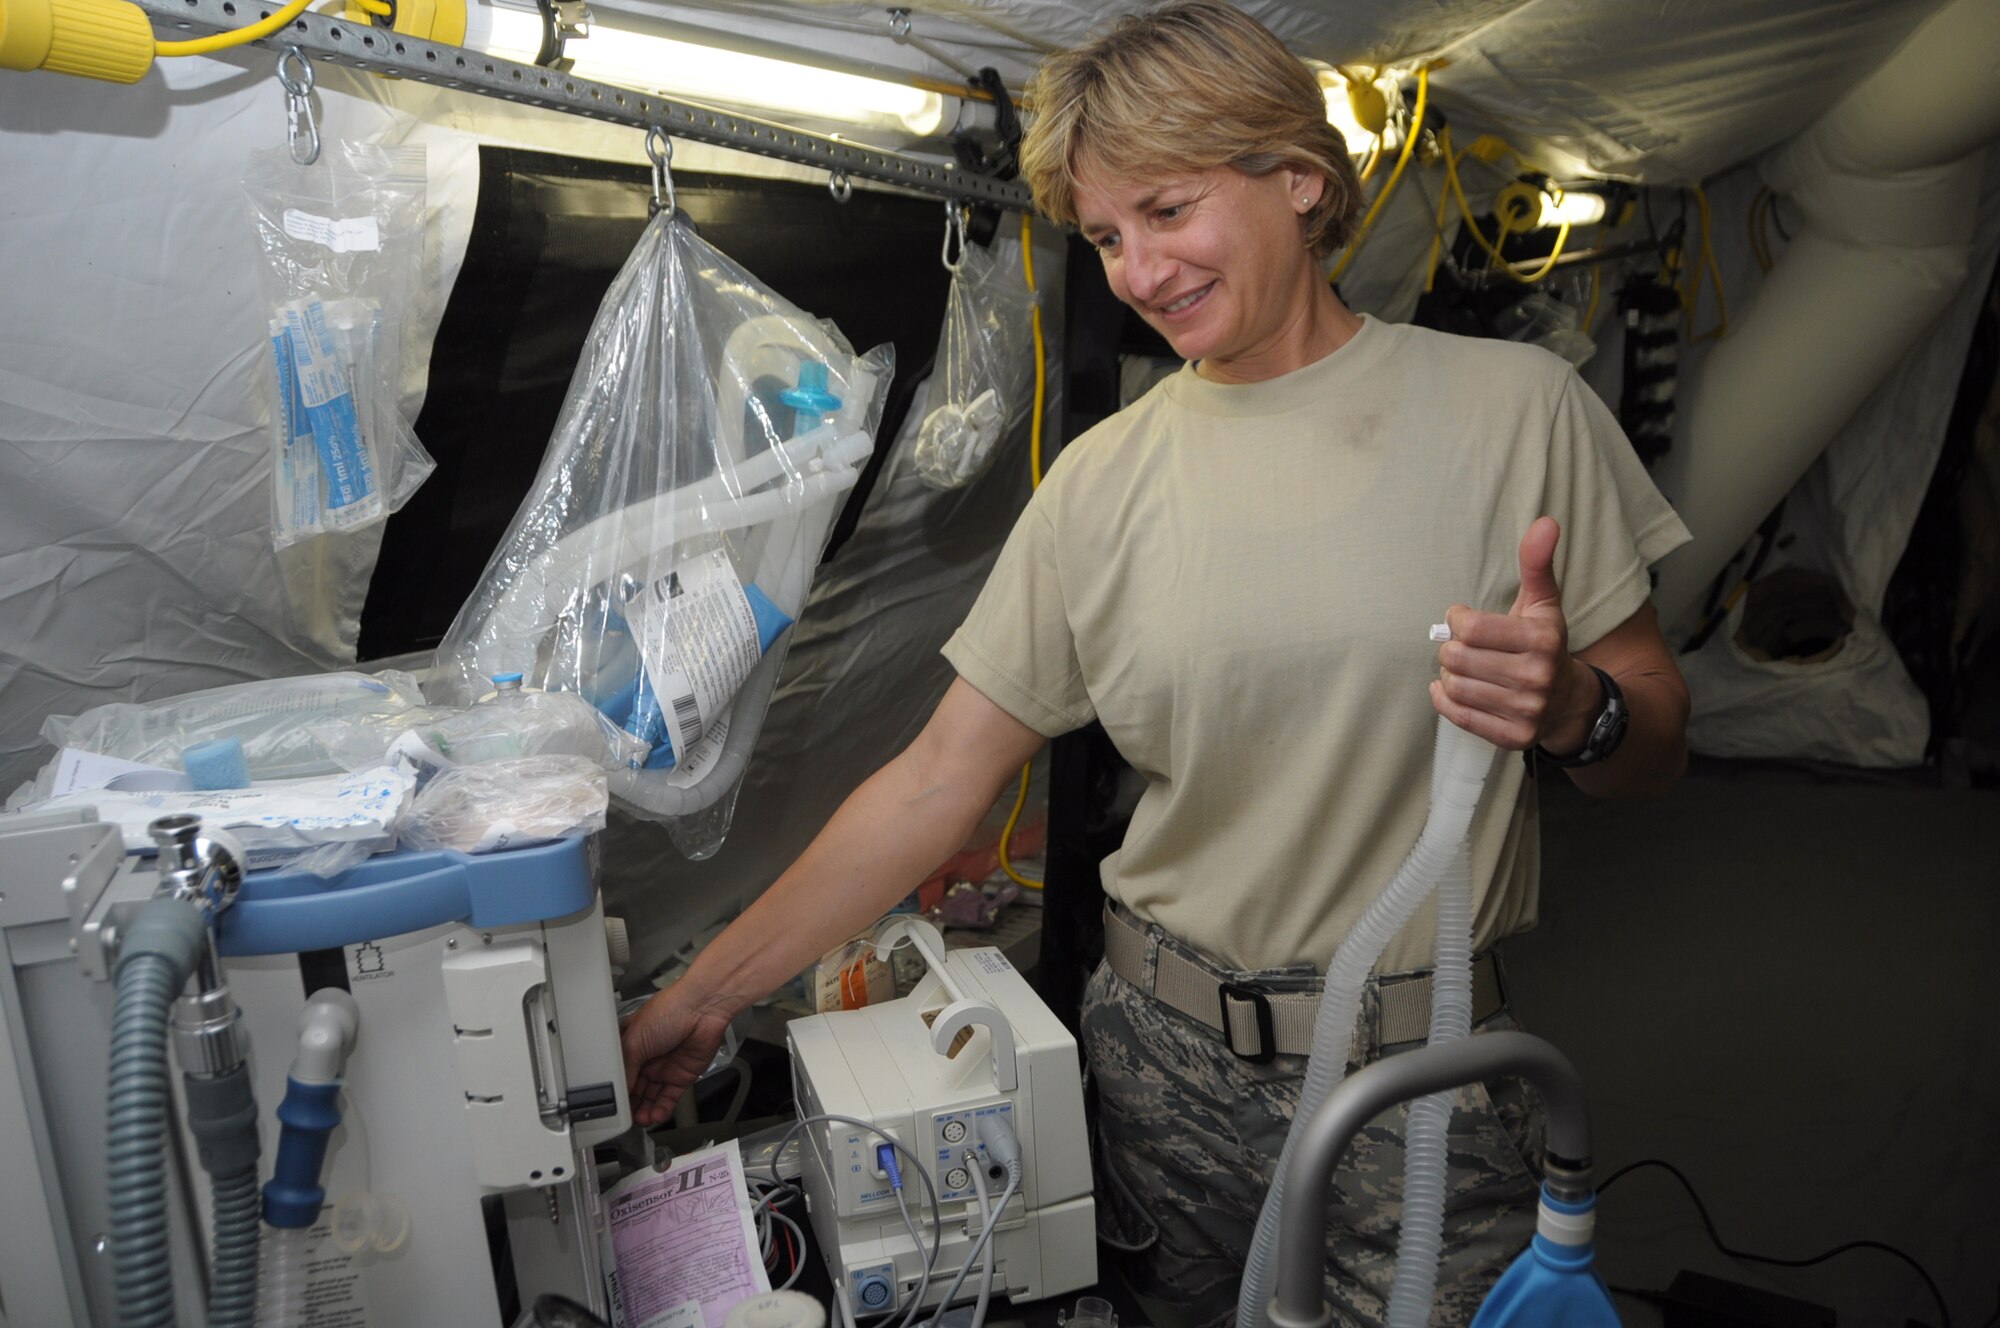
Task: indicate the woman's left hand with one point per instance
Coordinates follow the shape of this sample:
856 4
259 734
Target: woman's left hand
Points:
1509 677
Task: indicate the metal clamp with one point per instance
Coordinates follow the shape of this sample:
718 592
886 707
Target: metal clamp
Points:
301 125
660 151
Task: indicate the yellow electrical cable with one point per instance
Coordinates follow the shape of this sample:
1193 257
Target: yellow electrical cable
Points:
1041 372
222 41
1374 160
1020 801
1395 176
377 7
1492 251
1721 328
1034 481
1437 238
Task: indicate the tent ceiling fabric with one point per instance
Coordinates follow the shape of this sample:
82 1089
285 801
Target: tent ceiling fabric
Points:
1660 91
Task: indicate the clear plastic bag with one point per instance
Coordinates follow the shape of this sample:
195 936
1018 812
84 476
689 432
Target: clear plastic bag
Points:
501 727
506 804
985 366
272 718
1540 319
343 245
710 434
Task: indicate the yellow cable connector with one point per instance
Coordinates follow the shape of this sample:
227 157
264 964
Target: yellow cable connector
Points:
102 39
432 20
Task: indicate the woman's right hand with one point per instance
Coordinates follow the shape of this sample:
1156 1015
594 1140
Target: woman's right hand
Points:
667 1045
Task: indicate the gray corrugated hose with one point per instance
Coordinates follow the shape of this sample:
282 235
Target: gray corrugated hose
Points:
153 966
232 1294
155 961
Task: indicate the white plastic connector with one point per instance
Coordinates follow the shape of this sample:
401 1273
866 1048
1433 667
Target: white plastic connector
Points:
1440 632
1570 1229
327 1029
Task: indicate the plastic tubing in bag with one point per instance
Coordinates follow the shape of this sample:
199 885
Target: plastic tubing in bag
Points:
272 718
985 366
710 433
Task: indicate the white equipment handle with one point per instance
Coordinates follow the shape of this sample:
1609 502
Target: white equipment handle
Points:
963 1011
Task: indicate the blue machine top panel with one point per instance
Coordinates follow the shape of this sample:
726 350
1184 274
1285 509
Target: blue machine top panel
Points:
285 912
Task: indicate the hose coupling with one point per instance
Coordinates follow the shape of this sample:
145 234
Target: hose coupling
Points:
205 869
1566 1179
209 1038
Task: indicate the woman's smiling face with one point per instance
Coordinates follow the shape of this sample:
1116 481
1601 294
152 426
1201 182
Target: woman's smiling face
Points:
1215 260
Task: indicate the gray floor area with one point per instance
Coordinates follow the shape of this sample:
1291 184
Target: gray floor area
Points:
1783 983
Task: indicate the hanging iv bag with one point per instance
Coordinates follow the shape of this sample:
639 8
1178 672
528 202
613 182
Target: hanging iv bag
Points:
710 435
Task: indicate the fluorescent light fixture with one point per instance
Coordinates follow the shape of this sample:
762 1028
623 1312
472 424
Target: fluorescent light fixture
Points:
1577 207
712 75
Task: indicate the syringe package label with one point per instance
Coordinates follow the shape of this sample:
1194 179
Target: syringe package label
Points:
328 399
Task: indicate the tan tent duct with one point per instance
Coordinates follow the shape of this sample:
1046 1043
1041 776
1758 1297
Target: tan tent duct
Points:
1884 187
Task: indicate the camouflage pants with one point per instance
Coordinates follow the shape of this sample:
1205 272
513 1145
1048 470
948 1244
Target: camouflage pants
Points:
1188 1138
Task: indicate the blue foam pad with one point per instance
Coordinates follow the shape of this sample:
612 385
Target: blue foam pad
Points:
217 765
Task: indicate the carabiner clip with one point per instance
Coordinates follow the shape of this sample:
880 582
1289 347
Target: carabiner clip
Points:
954 229
301 125
660 151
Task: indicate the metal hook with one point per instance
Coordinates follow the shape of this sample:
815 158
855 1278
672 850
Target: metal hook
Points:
840 186
954 228
301 124
660 151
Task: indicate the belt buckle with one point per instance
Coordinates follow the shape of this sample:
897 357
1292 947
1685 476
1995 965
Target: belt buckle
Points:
1267 1040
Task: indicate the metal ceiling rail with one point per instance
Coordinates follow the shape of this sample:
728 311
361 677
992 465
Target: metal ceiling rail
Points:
380 51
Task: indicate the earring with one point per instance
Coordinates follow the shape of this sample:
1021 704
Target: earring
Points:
1305 202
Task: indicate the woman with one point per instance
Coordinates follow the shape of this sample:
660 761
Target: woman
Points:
1234 576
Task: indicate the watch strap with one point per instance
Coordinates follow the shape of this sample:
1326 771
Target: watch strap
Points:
1606 732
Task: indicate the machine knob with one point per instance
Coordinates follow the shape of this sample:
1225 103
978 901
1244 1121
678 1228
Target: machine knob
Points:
618 942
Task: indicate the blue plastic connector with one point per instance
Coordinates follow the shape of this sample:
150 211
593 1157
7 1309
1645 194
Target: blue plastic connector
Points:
810 399
1551 1283
502 678
310 1112
885 1158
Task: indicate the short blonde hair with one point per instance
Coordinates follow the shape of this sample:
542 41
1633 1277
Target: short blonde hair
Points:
1188 87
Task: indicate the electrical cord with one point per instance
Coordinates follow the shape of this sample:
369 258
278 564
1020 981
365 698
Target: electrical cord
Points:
916 1242
914 1162
1501 262
1034 482
985 1236
1715 1238
1410 137
222 41
1007 834
1708 265
988 1215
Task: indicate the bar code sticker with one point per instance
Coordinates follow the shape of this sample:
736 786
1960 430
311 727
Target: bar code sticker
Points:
698 636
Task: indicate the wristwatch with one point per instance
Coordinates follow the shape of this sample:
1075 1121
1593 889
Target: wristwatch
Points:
1605 734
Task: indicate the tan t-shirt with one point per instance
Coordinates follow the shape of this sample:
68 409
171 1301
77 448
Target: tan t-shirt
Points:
1237 581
